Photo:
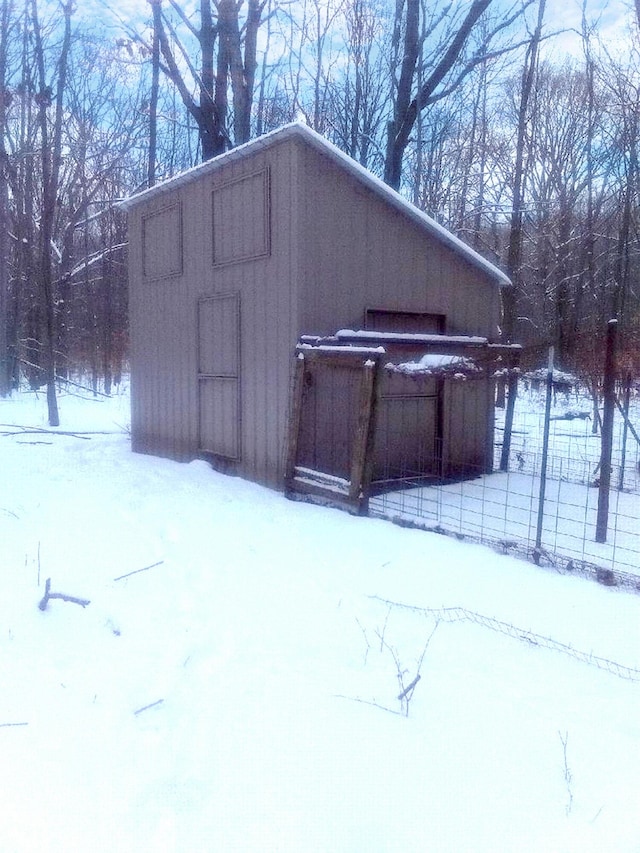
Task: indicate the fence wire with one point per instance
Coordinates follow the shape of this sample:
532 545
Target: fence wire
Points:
502 509
460 614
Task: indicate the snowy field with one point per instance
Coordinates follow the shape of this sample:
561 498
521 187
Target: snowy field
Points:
233 683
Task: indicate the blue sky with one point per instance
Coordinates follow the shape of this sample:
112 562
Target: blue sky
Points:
613 18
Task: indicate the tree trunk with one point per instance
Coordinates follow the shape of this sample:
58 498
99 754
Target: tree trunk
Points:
406 109
515 232
5 385
153 95
51 153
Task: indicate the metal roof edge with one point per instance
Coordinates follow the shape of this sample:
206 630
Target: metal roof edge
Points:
303 131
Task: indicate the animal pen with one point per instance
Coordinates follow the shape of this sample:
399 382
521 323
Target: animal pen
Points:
368 412
377 412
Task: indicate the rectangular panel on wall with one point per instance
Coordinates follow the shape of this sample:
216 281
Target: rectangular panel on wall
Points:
242 219
406 322
162 242
219 411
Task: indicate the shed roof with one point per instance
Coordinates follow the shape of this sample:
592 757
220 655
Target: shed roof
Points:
299 130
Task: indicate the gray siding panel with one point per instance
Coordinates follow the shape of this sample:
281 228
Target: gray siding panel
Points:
361 252
219 376
219 335
241 219
251 206
219 417
162 242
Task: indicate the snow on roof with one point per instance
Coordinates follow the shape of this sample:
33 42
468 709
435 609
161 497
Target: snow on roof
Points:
302 131
431 364
409 337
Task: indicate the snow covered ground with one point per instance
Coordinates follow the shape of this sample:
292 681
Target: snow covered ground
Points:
240 694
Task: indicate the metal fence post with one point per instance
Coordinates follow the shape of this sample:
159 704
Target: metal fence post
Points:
545 451
625 429
609 395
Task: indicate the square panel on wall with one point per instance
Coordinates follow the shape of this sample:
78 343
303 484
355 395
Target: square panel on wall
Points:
242 219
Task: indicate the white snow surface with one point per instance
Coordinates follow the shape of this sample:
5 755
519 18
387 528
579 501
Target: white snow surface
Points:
432 361
265 665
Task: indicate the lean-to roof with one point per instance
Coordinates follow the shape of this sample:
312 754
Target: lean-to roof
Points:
301 131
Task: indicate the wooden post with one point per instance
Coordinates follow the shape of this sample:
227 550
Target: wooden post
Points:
370 438
362 445
545 452
609 395
294 419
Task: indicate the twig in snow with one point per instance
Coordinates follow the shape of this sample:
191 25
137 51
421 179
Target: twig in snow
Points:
366 639
597 815
136 571
146 707
49 595
8 725
21 429
568 777
384 628
405 692
367 702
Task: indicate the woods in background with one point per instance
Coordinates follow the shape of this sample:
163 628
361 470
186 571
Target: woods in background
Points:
472 110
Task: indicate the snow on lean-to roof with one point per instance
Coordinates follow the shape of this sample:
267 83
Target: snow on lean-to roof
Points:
311 137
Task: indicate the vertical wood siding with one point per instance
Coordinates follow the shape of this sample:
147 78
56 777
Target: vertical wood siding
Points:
239 236
360 252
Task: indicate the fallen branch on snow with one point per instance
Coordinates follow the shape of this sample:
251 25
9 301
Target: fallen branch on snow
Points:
135 571
21 429
146 707
49 595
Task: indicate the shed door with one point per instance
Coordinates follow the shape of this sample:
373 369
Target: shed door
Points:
409 434
407 448
219 375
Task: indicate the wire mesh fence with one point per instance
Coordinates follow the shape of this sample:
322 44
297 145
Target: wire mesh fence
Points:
503 509
441 457
460 614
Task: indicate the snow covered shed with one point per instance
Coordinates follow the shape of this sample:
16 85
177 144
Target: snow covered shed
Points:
231 262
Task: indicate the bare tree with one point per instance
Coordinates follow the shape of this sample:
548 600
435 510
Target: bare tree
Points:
523 128
153 95
227 60
451 64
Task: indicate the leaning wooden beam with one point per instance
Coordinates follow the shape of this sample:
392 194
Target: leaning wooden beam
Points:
294 419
